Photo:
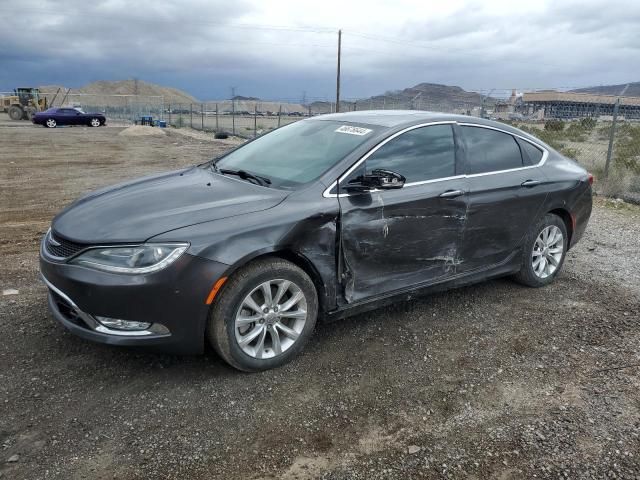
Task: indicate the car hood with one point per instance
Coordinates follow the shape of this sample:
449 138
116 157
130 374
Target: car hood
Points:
140 209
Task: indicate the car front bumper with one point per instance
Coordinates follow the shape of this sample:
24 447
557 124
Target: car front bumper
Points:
172 300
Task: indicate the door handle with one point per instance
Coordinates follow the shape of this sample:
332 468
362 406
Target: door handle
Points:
530 183
451 193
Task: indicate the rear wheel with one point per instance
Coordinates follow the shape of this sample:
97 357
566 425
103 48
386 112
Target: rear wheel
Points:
95 122
16 113
50 123
544 252
264 315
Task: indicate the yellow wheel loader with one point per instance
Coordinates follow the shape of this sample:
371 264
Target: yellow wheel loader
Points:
23 104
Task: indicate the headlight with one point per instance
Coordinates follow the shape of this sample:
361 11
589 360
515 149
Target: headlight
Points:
136 259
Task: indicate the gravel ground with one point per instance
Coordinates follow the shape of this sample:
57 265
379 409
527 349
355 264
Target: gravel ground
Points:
489 381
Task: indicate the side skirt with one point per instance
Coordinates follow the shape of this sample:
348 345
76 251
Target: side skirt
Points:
508 267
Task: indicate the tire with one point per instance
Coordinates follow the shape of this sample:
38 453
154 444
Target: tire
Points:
50 123
16 113
537 267
95 122
261 352
221 135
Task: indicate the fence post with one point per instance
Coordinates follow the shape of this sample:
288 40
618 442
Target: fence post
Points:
216 117
233 116
191 114
612 135
279 115
355 105
202 117
255 120
309 110
169 115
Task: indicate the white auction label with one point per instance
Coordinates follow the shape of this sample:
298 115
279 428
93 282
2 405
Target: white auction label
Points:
353 130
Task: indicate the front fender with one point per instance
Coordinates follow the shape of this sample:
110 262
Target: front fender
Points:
304 229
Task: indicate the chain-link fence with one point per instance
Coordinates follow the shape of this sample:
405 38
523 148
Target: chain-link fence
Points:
607 145
235 118
608 149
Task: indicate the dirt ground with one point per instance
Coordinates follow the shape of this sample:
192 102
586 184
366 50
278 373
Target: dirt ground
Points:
489 381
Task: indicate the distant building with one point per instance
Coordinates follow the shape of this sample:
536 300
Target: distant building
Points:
552 104
509 109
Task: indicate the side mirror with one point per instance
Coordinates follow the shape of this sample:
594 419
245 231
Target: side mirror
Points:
378 179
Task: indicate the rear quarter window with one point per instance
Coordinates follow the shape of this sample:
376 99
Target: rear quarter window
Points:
531 155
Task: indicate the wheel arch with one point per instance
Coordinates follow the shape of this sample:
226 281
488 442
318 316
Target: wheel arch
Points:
566 217
298 259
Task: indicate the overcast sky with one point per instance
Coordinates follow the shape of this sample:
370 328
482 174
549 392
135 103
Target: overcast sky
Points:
280 49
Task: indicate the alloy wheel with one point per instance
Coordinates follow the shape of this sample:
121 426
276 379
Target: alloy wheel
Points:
547 251
51 123
270 319
95 122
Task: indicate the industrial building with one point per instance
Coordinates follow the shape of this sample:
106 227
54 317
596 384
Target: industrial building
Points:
566 105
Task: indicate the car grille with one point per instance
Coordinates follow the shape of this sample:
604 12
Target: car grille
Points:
61 248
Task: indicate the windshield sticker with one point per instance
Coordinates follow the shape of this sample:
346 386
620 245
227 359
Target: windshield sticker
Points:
353 130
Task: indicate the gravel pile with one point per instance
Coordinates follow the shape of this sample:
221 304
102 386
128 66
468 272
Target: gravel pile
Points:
142 131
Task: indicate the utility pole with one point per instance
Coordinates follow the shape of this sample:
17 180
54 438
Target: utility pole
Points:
233 110
338 75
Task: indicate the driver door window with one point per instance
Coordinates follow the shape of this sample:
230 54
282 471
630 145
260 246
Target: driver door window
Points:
425 153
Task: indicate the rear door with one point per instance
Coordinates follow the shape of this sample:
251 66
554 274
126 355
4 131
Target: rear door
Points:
505 194
397 239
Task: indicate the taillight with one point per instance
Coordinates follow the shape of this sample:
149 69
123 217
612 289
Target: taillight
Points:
590 178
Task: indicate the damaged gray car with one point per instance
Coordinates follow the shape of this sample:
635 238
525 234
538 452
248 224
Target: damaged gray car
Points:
321 219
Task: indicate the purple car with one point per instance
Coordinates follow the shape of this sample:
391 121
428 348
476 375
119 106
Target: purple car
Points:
53 117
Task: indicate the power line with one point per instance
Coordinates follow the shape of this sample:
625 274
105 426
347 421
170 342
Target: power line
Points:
148 19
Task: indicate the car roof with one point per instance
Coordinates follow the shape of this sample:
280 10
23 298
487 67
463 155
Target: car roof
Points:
393 119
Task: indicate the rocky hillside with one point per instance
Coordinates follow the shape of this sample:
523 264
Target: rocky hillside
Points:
632 91
424 96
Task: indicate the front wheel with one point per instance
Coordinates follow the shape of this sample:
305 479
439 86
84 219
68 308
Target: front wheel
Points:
264 315
544 252
50 123
16 113
95 122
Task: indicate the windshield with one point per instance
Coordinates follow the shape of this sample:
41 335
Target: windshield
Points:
298 153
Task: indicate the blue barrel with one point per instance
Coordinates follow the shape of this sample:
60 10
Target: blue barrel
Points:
162 123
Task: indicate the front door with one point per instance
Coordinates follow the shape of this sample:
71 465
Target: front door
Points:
397 239
67 116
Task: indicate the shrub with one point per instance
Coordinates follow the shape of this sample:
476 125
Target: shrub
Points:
576 132
588 123
554 125
569 152
627 147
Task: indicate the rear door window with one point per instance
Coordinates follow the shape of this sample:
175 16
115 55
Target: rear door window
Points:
490 150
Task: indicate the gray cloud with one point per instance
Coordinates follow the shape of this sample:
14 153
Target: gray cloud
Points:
206 46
